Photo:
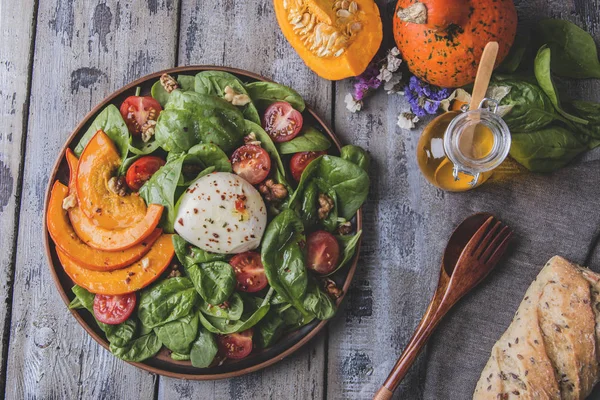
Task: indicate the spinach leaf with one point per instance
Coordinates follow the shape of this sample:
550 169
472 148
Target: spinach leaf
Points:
178 335
591 112
545 150
544 78
76 304
574 50
516 54
309 210
330 222
530 108
356 155
190 118
225 327
214 281
180 356
348 244
293 319
349 181
215 82
233 311
268 330
189 255
160 189
266 142
159 93
204 349
310 140
283 258
209 155
318 302
112 123
265 93
139 349
83 298
167 301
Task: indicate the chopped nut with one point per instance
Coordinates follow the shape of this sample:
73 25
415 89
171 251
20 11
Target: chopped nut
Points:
326 204
145 263
168 82
251 139
148 130
174 271
332 289
235 98
224 305
69 202
272 191
345 228
117 185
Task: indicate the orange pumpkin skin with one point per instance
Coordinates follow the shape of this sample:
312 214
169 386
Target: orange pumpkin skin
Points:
67 241
126 280
108 239
450 58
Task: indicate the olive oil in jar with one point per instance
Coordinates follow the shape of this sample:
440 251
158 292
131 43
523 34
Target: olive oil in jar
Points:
459 151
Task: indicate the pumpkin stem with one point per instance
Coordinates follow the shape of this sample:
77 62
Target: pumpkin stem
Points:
415 13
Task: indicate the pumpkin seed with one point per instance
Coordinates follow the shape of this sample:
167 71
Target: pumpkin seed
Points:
345 4
343 13
355 27
353 7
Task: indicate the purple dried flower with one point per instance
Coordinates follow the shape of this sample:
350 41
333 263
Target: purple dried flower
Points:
431 106
365 82
424 98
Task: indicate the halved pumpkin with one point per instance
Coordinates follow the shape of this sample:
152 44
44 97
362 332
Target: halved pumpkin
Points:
108 239
336 39
97 164
67 240
126 280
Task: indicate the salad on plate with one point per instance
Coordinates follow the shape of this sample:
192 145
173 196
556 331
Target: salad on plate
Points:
207 218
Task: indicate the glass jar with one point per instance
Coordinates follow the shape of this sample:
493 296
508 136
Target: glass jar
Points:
459 150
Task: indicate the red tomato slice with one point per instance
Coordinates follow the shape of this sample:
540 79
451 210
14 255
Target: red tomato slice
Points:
252 163
249 272
142 170
300 161
323 252
137 110
282 122
236 345
113 310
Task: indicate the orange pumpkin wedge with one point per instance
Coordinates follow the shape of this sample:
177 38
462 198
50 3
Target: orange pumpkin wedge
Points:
67 240
126 280
108 239
97 164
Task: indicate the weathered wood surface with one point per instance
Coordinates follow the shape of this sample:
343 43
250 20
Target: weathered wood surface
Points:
85 50
17 29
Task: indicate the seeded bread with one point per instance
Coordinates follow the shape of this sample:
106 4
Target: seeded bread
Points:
551 350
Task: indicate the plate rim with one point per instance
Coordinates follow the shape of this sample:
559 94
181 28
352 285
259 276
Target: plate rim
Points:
49 246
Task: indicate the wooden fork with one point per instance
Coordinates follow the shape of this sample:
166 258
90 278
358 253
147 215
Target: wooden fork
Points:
457 277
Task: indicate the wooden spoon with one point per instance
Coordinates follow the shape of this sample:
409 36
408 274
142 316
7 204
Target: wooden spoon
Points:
473 250
482 81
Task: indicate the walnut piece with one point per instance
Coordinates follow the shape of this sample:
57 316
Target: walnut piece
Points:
345 228
148 130
326 204
168 82
332 289
251 139
117 185
272 192
174 273
69 202
235 98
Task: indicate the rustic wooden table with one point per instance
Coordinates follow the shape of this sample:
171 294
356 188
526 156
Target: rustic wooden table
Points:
58 58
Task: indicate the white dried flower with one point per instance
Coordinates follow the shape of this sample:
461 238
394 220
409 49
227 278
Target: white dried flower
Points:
394 51
393 62
393 85
384 74
407 120
351 104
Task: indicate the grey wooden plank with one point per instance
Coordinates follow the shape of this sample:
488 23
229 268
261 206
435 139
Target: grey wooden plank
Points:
84 51
245 35
17 30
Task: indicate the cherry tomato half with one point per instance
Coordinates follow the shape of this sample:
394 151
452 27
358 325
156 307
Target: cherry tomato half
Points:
142 170
300 161
323 252
137 110
252 163
249 272
282 122
113 310
236 345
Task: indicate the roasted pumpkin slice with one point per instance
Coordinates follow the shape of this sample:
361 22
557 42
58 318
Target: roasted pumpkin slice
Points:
98 163
336 39
108 239
126 280
67 240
